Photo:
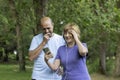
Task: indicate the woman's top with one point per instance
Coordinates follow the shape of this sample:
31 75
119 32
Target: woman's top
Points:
74 65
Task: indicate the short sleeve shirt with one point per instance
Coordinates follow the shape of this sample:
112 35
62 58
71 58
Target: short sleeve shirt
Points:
74 65
41 71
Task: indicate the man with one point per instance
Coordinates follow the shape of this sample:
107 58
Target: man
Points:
46 39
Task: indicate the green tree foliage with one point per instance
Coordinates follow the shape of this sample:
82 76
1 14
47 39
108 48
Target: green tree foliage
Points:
99 21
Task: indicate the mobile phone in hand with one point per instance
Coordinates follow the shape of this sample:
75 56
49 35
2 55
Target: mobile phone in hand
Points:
46 50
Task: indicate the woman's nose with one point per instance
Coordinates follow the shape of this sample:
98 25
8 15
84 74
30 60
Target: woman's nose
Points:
66 35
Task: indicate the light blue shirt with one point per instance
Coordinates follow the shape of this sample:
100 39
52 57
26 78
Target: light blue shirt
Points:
41 71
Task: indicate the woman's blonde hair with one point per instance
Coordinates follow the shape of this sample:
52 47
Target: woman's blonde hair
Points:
72 26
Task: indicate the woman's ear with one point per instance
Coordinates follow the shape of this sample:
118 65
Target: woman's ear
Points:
63 37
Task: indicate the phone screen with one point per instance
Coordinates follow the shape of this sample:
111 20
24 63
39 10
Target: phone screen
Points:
46 50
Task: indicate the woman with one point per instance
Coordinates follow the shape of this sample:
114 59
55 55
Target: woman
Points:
71 56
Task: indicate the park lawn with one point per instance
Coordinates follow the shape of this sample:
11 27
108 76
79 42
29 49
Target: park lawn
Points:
97 76
10 72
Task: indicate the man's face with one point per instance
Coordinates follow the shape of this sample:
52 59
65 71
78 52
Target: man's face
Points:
47 27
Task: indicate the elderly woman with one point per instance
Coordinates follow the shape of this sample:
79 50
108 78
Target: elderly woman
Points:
71 56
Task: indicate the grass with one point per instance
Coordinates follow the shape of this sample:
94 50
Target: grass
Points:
10 72
97 76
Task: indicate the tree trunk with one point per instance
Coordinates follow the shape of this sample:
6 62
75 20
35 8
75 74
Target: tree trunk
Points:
15 17
102 44
5 57
103 59
102 50
118 4
2 53
19 49
40 11
117 63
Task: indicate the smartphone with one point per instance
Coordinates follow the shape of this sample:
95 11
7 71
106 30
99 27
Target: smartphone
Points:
46 50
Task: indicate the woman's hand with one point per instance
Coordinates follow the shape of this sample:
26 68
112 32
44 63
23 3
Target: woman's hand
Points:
48 55
75 35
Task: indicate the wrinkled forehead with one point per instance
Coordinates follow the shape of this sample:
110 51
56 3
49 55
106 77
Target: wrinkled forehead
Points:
46 23
45 20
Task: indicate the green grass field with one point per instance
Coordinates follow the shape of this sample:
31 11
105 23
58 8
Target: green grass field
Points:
97 76
10 72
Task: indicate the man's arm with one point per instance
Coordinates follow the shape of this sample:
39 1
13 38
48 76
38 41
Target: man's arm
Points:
34 53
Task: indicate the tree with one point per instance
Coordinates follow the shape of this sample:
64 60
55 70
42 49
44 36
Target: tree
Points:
117 19
15 16
99 21
40 11
117 63
6 40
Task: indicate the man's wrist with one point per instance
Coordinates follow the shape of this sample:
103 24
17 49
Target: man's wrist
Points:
44 42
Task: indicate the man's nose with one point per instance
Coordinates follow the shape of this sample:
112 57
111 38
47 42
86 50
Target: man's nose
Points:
46 30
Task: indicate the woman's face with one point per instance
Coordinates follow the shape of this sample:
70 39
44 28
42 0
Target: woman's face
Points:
68 36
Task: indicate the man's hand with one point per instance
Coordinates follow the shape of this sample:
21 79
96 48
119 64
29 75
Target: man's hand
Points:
46 37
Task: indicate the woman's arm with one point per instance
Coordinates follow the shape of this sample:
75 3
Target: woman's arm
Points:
56 63
82 49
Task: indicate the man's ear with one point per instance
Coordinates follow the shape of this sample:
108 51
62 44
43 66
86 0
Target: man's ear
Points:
52 23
